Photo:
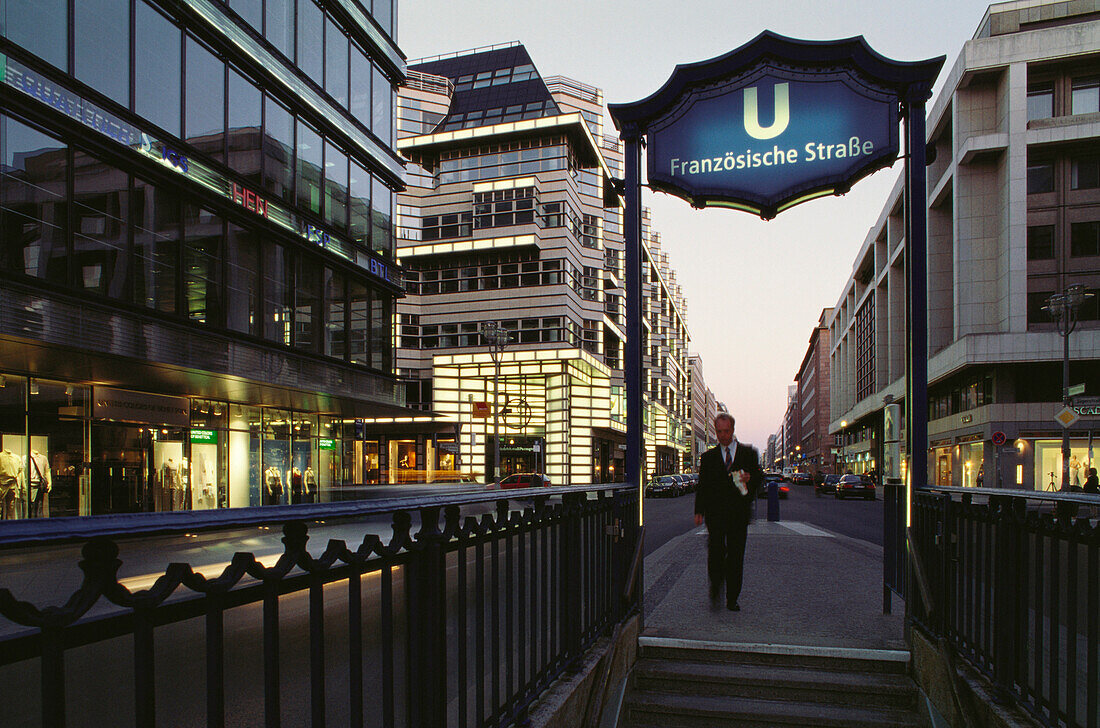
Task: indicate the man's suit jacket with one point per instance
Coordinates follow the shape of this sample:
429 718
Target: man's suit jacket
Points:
716 495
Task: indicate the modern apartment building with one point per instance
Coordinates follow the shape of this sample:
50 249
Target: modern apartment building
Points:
512 218
703 409
197 250
1013 217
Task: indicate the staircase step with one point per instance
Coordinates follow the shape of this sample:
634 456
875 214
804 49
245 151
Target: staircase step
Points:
830 658
772 682
663 710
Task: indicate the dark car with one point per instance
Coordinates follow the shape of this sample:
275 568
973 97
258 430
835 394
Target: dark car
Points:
802 479
855 485
687 484
525 480
663 485
828 485
784 490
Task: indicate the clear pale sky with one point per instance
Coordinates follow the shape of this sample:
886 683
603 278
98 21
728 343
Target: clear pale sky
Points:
754 289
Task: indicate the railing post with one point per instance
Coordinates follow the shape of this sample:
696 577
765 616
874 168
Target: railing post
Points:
428 627
1005 587
572 573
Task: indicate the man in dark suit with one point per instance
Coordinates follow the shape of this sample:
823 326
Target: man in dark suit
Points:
729 476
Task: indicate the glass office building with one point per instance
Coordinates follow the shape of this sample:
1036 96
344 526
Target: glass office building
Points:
197 247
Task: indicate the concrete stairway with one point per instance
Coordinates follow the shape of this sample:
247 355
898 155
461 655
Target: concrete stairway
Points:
689 683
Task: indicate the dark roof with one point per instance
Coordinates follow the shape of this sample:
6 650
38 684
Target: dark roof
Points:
492 87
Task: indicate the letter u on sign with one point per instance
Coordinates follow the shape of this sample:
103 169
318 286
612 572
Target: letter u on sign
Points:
782 113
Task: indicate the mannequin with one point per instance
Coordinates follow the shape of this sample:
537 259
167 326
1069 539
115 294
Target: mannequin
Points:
169 484
273 486
40 482
309 483
294 480
179 491
13 485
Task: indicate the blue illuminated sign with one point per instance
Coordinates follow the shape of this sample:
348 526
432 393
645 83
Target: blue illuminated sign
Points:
775 122
770 138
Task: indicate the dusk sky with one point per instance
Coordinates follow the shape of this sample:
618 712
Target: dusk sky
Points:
754 289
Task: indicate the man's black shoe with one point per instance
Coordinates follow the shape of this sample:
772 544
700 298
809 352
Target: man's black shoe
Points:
735 607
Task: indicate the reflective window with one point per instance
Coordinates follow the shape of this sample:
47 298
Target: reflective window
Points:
1040 101
1040 177
100 210
336 63
40 26
280 25
252 11
157 75
1084 173
335 344
359 187
245 110
336 187
358 322
278 150
1040 242
311 43
1085 239
381 219
156 218
308 182
307 304
380 352
202 236
384 15
361 73
382 108
102 53
278 292
243 283
1085 96
204 118
33 178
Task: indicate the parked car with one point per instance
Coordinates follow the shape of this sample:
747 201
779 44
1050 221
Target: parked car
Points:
525 480
662 486
784 490
853 485
828 485
802 479
687 484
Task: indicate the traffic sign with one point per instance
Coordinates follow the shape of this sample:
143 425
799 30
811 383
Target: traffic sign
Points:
1076 389
999 438
481 409
1066 417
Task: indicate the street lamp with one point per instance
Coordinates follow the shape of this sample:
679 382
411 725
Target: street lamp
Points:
1063 308
496 338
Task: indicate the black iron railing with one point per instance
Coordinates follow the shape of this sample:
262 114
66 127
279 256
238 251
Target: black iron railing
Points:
462 624
1015 577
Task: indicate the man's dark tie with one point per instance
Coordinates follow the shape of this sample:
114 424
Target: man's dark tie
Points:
729 462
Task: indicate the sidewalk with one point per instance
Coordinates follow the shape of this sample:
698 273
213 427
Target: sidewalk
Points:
804 586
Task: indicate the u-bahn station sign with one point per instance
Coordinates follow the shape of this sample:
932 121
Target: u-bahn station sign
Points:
776 122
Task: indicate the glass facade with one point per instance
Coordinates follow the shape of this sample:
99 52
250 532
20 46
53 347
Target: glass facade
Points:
183 182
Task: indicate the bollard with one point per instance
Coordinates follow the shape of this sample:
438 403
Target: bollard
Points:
773 501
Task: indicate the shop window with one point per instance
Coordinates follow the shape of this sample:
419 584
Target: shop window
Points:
1040 242
55 464
245 112
102 47
278 146
204 97
1085 239
101 209
209 454
245 467
157 84
1048 464
33 179
276 456
1085 95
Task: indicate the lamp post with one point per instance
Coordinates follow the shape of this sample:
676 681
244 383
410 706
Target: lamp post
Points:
496 338
1063 308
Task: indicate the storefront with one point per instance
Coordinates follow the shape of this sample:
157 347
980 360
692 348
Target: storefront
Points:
1047 468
